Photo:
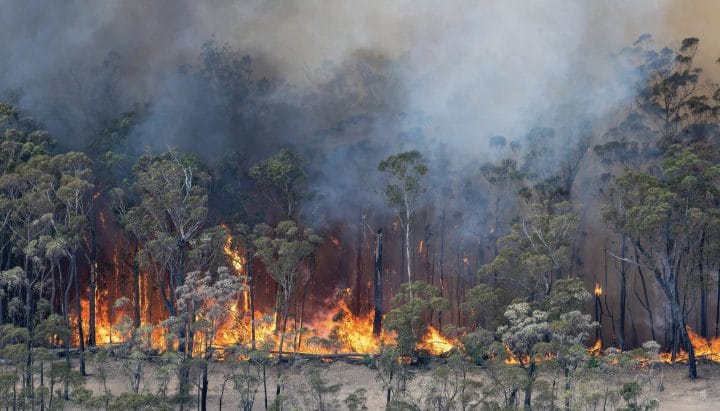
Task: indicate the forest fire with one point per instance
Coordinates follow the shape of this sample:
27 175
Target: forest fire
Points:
332 331
708 349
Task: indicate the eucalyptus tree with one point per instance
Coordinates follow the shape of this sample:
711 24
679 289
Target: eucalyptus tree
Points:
281 178
74 193
665 216
405 174
536 251
204 298
170 212
282 250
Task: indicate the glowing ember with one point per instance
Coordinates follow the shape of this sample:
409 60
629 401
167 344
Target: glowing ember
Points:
598 290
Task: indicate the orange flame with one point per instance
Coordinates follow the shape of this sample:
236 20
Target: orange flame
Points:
704 348
435 343
598 290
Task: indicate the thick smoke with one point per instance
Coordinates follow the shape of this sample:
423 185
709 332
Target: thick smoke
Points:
350 82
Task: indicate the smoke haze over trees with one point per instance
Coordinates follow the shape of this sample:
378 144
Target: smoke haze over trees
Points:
502 157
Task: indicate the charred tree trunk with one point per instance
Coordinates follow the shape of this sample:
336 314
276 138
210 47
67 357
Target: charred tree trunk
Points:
92 291
703 288
359 268
377 280
78 309
136 288
66 314
646 305
204 389
251 284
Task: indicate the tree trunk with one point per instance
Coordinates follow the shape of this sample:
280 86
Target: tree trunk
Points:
78 309
377 280
407 249
66 312
528 388
442 267
623 294
136 288
251 284
647 305
359 269
92 290
703 288
204 390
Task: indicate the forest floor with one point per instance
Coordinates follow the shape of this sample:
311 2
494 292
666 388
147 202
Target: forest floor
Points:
678 393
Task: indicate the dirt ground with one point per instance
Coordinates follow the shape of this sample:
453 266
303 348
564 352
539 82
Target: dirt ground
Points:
679 393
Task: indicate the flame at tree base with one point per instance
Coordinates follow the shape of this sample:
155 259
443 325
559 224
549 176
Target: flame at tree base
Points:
708 349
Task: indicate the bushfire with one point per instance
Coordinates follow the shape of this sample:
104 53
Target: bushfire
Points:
332 331
335 330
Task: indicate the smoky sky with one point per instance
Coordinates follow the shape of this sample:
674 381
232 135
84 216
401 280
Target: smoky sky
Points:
351 81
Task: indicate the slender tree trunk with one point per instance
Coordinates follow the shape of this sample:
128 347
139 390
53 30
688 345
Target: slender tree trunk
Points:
204 390
251 283
136 288
623 294
407 249
377 280
359 268
528 388
647 305
264 374
92 292
78 309
703 289
66 312
442 267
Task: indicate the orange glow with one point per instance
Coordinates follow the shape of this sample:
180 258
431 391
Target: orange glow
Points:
598 290
596 349
704 348
421 247
435 343
334 330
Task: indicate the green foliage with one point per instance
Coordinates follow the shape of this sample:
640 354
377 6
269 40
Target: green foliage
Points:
406 319
477 344
317 390
407 170
566 296
483 303
449 387
536 251
281 178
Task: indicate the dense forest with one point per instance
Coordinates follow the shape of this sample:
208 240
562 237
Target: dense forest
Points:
236 218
